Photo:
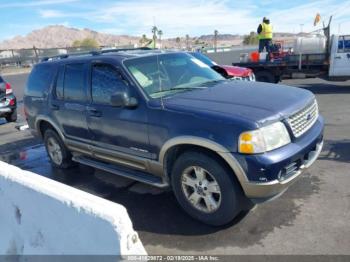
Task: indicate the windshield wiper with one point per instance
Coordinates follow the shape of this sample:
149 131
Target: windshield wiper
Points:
176 88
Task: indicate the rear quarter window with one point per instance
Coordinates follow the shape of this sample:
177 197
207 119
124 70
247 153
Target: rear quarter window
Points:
40 79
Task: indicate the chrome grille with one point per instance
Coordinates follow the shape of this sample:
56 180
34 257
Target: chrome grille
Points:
303 120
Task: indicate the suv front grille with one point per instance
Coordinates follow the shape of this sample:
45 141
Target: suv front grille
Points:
303 120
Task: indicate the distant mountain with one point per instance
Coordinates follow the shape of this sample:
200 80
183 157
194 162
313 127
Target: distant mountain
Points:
61 36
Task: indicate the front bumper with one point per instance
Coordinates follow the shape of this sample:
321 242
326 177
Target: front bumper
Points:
269 175
259 192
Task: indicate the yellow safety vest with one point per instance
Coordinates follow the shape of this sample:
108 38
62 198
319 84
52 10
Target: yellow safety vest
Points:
266 32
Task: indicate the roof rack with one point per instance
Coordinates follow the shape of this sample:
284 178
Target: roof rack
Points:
91 53
124 49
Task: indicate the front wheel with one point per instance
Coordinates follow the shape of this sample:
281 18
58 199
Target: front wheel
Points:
205 188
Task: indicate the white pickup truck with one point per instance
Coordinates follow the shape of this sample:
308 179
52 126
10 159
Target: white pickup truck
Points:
339 58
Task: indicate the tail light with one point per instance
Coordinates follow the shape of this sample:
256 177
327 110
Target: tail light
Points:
12 102
8 89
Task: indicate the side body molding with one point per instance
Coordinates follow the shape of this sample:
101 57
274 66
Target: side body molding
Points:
211 145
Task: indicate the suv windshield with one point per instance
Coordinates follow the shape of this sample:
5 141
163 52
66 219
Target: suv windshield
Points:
206 60
165 74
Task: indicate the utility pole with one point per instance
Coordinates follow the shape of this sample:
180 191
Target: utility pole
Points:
301 28
216 32
187 42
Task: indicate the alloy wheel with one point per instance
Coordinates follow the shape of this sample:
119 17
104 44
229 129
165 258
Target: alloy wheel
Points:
201 189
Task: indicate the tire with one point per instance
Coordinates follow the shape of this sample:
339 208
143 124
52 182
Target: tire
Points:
265 76
59 155
12 117
224 205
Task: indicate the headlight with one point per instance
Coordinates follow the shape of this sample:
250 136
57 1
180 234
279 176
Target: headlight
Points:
264 139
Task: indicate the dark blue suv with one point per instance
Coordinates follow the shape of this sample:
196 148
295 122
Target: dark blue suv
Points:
169 120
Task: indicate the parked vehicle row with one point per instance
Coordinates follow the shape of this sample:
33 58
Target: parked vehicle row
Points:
170 120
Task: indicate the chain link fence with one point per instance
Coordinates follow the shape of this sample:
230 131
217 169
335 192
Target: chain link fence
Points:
28 57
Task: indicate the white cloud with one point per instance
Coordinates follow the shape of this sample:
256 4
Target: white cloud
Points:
51 13
36 3
289 20
198 17
193 17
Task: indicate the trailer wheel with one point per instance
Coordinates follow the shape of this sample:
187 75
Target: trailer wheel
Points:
265 76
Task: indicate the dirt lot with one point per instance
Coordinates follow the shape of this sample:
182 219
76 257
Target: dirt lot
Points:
312 217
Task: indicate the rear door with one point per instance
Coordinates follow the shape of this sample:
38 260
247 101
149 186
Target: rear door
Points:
68 103
340 57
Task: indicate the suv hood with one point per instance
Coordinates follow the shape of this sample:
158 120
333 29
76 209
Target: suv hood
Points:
249 101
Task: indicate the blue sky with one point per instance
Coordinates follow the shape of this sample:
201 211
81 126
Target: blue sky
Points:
175 18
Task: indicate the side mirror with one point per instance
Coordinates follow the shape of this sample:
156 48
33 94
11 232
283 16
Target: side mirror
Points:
122 99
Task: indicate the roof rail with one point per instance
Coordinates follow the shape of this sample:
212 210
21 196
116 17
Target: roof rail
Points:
91 53
59 57
112 50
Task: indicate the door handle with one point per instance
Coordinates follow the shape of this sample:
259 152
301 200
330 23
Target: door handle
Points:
337 57
54 107
94 112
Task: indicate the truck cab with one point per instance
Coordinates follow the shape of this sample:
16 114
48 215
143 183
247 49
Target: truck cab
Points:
340 57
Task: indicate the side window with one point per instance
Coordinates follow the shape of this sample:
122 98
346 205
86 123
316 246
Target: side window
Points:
74 82
340 44
347 44
105 81
59 83
40 79
344 44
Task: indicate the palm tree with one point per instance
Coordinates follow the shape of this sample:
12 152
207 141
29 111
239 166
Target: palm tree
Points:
154 32
187 42
178 40
216 33
160 33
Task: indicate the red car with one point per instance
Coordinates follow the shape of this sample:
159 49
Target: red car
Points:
227 71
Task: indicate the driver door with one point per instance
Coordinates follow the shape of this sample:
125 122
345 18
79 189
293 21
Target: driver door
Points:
118 133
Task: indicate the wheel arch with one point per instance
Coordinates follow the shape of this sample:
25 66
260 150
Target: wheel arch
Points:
42 123
191 142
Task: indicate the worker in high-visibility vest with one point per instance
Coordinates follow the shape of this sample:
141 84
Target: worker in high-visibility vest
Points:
265 35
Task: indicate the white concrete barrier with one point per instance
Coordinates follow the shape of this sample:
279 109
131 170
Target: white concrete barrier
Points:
41 216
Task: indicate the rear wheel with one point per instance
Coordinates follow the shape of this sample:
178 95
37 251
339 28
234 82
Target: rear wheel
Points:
12 117
205 188
58 153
